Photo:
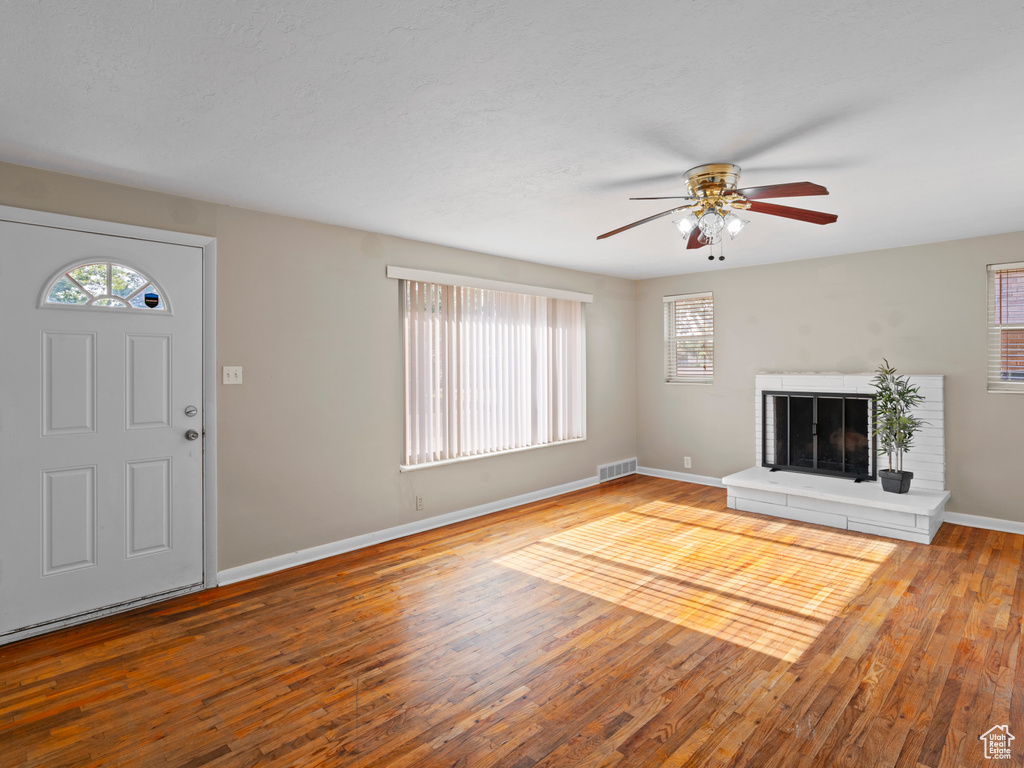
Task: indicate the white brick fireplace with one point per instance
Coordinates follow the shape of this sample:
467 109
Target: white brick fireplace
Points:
839 502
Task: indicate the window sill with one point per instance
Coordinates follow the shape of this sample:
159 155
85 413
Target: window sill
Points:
460 459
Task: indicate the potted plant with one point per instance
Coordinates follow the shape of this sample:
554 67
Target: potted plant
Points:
895 426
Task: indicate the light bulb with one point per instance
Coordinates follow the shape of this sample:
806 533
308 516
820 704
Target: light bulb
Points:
686 224
733 224
711 224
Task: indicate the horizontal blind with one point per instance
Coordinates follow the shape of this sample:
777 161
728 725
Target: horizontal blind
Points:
690 338
1006 327
489 371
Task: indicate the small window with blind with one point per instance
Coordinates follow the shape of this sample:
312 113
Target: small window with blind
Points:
490 367
1006 327
690 338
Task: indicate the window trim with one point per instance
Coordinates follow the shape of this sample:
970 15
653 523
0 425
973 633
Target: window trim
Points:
505 452
993 332
443 278
668 313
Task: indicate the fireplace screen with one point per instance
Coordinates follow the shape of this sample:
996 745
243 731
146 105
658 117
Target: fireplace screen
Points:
825 433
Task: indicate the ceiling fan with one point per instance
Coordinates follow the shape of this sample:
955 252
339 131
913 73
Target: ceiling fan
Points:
716 200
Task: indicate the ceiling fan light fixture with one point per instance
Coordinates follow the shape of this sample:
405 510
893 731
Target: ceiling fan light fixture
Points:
715 194
711 223
734 224
686 224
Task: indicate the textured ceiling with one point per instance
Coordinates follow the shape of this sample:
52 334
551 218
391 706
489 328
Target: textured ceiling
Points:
521 128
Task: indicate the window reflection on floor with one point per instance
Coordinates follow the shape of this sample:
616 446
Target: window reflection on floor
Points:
770 587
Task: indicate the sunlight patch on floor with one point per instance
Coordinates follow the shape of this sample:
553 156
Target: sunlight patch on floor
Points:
770 587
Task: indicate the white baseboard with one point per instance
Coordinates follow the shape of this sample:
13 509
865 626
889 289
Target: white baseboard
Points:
279 563
991 523
685 477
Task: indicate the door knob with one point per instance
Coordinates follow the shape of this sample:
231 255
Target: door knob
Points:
191 435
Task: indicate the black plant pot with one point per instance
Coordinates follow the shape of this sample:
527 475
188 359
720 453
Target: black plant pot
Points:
895 482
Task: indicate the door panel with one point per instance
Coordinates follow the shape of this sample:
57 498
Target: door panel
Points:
101 497
148 509
69 519
148 381
68 383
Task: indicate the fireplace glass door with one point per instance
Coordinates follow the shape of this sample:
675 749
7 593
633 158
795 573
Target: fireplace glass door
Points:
820 432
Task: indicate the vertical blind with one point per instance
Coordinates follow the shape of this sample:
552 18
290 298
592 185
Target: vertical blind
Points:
1006 327
690 338
489 371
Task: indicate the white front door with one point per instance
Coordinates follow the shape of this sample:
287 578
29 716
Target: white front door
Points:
101 487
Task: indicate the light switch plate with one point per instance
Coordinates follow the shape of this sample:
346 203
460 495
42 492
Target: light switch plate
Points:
232 374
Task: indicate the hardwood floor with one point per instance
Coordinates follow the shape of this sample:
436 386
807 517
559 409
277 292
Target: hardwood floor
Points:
638 623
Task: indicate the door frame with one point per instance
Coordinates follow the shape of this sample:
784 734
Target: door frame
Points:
208 246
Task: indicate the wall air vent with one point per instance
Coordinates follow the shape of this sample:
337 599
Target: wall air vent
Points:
611 471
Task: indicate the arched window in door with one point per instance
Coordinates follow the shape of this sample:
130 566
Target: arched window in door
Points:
104 285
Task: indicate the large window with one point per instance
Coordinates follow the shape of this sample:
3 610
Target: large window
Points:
1006 327
489 371
690 338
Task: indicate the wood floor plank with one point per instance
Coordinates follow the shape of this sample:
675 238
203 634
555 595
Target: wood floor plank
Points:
636 623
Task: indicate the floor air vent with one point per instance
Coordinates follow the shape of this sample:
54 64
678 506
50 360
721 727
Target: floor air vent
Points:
612 471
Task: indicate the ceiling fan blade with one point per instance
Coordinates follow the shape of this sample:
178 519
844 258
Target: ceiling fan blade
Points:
638 223
800 214
743 154
694 240
675 197
795 189
797 167
636 182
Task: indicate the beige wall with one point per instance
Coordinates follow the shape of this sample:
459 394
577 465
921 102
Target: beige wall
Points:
922 307
309 445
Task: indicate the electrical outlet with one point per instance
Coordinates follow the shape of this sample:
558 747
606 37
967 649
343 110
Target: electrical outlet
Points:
232 374
419 502
687 462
